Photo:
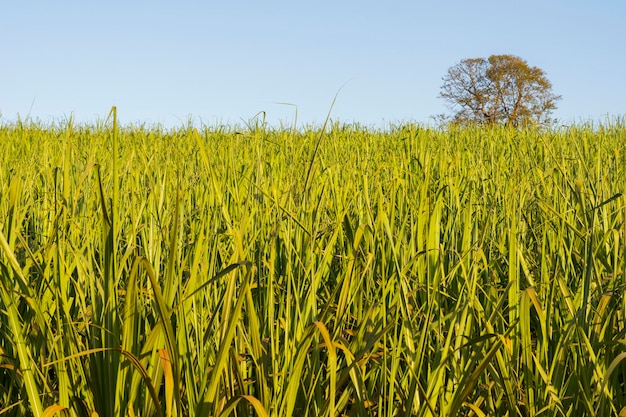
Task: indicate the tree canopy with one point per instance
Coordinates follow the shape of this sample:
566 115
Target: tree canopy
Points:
502 89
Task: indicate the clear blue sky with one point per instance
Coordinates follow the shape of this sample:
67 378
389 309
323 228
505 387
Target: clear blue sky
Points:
161 62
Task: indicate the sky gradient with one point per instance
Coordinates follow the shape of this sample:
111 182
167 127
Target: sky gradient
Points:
165 62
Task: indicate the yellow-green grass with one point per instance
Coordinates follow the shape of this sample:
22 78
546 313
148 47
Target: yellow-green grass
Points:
322 272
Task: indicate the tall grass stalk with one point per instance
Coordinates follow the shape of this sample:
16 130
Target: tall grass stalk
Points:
315 272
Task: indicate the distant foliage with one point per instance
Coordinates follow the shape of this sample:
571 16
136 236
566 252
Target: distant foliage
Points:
502 89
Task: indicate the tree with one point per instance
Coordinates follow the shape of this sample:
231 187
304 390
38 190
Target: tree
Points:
502 89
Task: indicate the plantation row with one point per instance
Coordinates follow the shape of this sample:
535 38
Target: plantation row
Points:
323 272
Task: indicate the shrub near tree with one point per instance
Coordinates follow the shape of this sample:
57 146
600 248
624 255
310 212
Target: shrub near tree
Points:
502 89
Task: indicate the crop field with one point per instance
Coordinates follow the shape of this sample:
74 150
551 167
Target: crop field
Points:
332 271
